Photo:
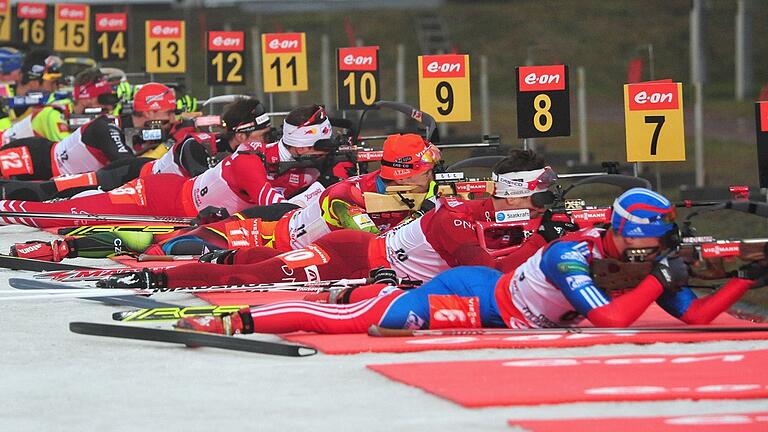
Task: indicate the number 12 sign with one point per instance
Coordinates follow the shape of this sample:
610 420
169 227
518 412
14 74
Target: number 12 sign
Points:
444 87
653 114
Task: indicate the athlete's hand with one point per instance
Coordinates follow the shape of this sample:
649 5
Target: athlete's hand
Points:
186 103
672 274
210 214
383 275
755 271
221 256
143 279
553 230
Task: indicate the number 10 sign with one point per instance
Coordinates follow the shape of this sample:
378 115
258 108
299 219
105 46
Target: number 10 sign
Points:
653 113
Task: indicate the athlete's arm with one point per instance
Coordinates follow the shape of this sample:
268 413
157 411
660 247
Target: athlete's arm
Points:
251 177
565 265
105 137
456 240
685 306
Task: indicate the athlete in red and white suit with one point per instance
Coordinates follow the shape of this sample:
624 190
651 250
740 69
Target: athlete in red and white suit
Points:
237 182
444 237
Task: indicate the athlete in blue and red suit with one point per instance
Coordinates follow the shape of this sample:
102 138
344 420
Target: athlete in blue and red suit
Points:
553 288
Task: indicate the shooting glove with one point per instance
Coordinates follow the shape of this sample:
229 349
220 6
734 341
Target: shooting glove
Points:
672 274
383 275
553 230
352 217
221 256
143 279
754 271
186 103
211 214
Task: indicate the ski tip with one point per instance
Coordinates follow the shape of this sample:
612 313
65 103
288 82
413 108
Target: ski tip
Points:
305 351
119 316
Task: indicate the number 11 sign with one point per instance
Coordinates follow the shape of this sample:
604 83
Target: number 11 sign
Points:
653 113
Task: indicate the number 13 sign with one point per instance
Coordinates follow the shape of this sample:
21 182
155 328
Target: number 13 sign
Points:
653 113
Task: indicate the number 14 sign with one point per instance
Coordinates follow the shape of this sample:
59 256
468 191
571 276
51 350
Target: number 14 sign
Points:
653 113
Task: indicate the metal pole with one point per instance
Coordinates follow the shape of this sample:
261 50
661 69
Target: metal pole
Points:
484 98
400 83
698 130
743 49
581 100
258 83
271 102
210 96
325 71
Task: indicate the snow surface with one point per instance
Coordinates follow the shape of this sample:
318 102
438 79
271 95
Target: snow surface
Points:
55 380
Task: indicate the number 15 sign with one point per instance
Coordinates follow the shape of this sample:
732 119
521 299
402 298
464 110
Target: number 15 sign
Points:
653 113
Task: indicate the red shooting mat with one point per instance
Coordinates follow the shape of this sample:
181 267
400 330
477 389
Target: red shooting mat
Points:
653 317
743 422
535 381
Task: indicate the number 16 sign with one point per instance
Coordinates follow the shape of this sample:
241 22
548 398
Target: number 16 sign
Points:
653 113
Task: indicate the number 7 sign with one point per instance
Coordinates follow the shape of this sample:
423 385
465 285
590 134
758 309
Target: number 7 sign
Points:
653 113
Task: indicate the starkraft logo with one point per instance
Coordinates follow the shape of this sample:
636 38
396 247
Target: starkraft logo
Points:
359 58
275 43
712 250
656 96
226 41
764 116
541 78
32 11
72 12
165 29
444 66
111 22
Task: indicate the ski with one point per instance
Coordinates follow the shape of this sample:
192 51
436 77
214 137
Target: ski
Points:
191 339
375 330
173 313
16 263
115 300
94 229
83 274
85 217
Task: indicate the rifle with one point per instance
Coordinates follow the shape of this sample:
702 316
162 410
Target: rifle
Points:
707 256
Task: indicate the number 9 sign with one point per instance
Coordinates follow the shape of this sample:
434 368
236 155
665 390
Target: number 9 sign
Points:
653 113
444 87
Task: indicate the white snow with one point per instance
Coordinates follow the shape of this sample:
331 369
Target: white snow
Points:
54 380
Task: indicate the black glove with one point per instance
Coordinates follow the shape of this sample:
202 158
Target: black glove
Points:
754 271
221 256
553 230
672 274
383 275
143 279
210 214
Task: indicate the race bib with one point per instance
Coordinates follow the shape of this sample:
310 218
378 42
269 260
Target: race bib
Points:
447 311
242 233
75 180
130 193
16 161
307 256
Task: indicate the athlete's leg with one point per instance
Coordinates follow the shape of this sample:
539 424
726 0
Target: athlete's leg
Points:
459 297
148 196
340 254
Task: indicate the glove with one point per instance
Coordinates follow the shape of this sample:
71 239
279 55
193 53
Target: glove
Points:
383 275
672 274
144 279
221 256
754 271
125 91
211 214
186 103
353 217
553 230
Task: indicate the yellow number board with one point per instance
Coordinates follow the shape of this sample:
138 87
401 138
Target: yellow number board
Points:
72 28
444 87
110 42
284 62
31 25
653 113
5 20
165 50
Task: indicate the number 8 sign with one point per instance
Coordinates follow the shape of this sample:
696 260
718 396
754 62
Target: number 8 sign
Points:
444 87
653 113
543 101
